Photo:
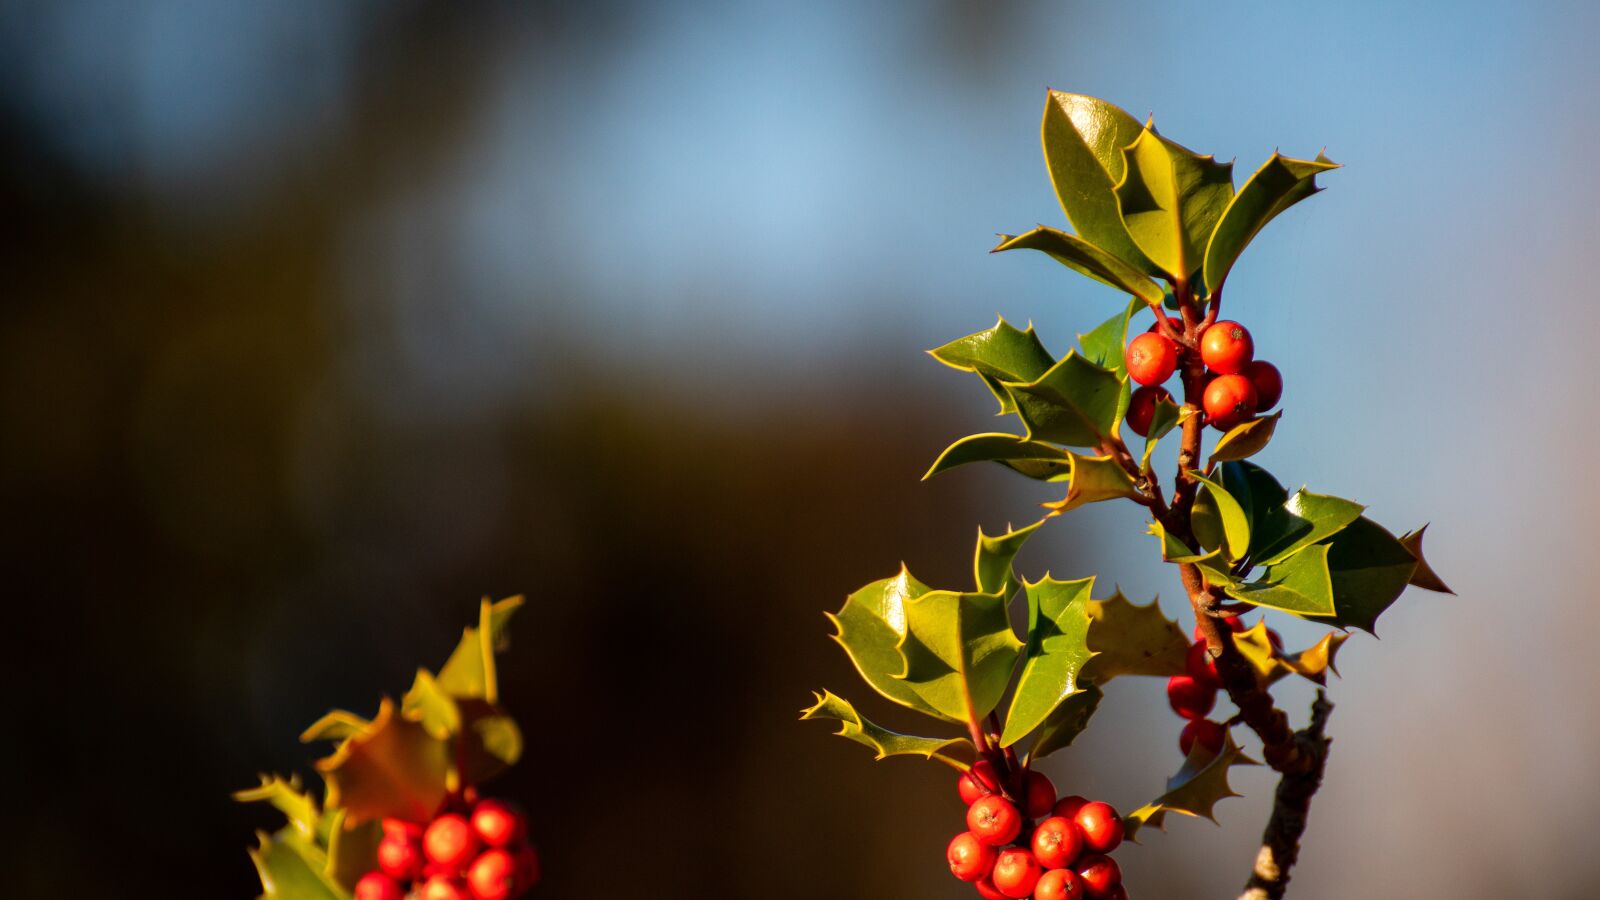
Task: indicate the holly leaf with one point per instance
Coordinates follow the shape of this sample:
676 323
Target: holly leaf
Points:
959 650
1093 479
1127 639
426 703
336 725
1424 576
1037 460
286 797
1246 439
1106 345
1067 722
1219 520
1084 258
1075 403
1167 416
491 742
1261 496
1255 645
1195 789
352 852
396 769
470 670
1057 648
1370 568
1171 200
883 742
1280 183
870 627
1315 662
1001 353
292 867
1305 519
1083 141
992 564
1301 584
1215 568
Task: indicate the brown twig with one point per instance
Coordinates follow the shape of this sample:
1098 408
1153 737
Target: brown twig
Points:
1280 842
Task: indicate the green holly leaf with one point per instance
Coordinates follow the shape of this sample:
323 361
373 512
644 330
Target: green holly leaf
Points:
1195 789
1057 648
870 627
1001 353
1084 258
1304 519
1067 722
1035 459
470 670
428 704
1424 577
1106 345
1127 639
292 867
1171 200
1246 439
1175 551
1280 183
883 742
336 725
396 768
1219 520
1167 416
352 852
992 563
1083 141
960 651
1093 479
286 796
1301 585
1370 569
1261 496
1075 403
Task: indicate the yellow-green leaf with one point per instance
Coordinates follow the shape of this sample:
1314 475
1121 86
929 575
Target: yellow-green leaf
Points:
1301 584
998 354
992 562
1066 723
1195 789
286 796
1035 459
1171 200
883 742
870 626
395 769
1084 258
291 867
1127 639
1075 403
1083 139
960 651
1057 648
470 670
1093 479
1280 183
336 725
1218 515
428 704
1246 439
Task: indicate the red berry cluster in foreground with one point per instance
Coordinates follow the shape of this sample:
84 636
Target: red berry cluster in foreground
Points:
1004 853
1237 385
476 853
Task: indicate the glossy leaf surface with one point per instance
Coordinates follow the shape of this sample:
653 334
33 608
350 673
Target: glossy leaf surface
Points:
1083 139
1057 648
1084 258
870 627
1035 459
883 742
960 651
1370 569
1280 183
1075 403
1171 200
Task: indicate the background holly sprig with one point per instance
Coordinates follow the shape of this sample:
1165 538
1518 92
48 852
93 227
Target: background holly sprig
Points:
447 734
1165 226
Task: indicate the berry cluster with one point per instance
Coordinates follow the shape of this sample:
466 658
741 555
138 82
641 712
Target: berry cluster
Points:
1237 385
1005 854
480 852
1193 694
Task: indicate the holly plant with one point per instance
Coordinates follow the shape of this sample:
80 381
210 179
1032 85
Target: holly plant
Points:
401 815
1165 227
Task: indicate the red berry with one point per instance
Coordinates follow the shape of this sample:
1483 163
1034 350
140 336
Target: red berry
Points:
1039 795
378 886
441 887
1100 875
1059 884
498 823
1101 827
1190 698
1057 842
1174 321
970 859
987 890
450 842
402 828
1229 400
493 875
1205 732
1069 806
1200 666
981 781
994 820
1016 872
1233 624
527 867
1151 358
1142 408
1268 381
1226 348
400 856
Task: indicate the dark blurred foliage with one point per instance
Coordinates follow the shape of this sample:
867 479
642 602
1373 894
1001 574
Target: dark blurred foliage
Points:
210 539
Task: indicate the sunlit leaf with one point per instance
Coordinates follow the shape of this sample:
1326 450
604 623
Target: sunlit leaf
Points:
1107 344
352 852
1424 576
1067 722
1083 141
1127 639
1075 403
870 627
1171 200
1035 459
1301 584
1093 479
1057 648
292 867
1280 183
286 796
1219 520
336 725
992 562
394 769
470 670
1245 439
998 354
960 651
1085 258
883 742
1195 789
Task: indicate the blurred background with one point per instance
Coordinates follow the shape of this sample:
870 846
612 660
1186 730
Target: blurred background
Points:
321 321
